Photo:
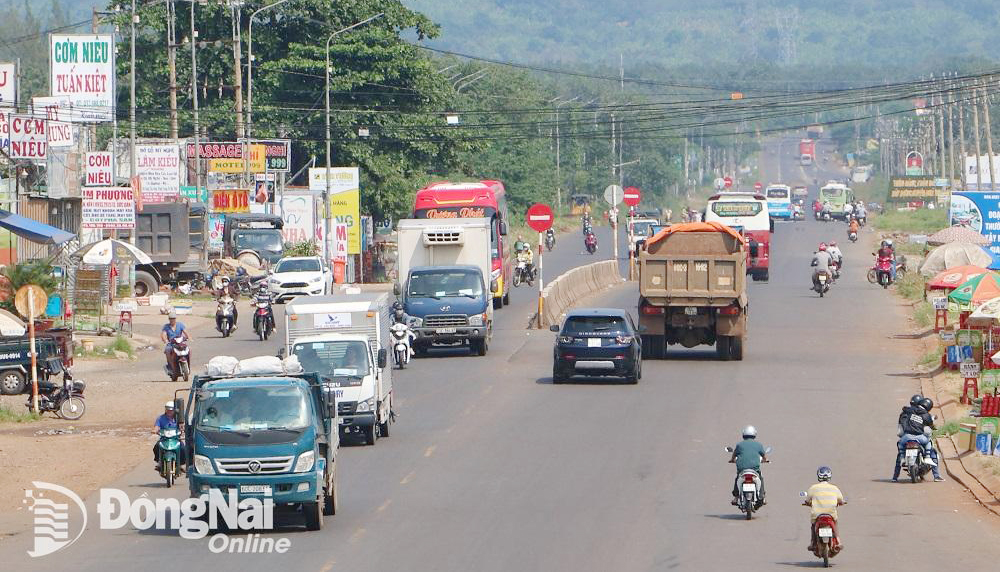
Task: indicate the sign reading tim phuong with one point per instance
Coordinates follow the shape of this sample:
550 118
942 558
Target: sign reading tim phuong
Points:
108 207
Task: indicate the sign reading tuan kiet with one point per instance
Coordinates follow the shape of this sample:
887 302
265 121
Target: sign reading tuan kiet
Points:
108 207
82 67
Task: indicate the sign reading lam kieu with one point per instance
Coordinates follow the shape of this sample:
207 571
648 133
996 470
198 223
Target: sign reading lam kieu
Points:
159 169
108 207
82 67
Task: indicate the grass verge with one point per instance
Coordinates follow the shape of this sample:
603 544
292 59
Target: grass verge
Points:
8 415
921 221
119 344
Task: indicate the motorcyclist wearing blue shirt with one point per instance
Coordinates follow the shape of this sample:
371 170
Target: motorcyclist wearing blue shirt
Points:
748 454
172 330
168 420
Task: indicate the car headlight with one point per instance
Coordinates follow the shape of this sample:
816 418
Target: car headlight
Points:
305 462
366 405
316 279
274 281
477 320
416 322
203 465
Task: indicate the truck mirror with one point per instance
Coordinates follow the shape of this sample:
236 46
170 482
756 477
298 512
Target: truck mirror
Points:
281 353
503 228
554 328
179 407
772 225
396 290
494 287
331 407
383 358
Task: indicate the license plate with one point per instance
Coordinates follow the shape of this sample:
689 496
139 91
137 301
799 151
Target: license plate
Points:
911 452
445 330
822 278
593 342
256 489
749 488
826 533
342 421
691 311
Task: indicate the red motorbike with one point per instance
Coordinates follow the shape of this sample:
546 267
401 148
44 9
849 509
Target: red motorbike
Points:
881 273
590 241
826 544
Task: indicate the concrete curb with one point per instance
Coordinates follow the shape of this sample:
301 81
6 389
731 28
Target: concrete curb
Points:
563 292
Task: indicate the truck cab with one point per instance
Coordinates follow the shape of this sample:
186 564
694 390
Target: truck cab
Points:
265 436
448 305
253 238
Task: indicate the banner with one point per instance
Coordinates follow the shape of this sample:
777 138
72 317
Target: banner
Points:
98 168
5 133
27 138
108 207
82 67
976 181
194 194
345 199
980 212
230 201
340 241
158 167
220 150
277 155
216 224
904 189
297 215
257 164
8 85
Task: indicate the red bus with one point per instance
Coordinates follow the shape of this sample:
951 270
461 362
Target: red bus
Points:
485 199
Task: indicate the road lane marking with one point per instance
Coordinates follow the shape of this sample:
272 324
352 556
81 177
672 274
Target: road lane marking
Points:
488 389
429 450
407 478
357 535
384 505
328 566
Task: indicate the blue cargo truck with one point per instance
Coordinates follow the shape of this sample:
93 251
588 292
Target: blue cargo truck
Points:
265 436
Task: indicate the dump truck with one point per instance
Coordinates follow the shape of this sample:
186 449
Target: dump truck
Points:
171 234
692 290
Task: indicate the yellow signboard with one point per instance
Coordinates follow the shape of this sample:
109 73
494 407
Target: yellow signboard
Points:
345 200
258 162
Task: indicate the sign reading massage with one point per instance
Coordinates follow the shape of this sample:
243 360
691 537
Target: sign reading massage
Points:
82 67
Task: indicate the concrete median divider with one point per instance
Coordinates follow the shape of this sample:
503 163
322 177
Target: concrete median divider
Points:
568 288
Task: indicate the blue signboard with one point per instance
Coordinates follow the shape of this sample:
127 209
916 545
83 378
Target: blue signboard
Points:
980 212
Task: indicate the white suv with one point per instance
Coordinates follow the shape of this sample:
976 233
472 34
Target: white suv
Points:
299 276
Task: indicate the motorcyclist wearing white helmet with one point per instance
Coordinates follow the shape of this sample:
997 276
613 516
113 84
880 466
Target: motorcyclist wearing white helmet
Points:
748 454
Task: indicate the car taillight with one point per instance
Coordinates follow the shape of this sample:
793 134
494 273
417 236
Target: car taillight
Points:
653 310
566 339
623 340
748 478
730 311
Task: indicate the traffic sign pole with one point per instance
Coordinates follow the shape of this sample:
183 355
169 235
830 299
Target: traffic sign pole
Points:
540 219
541 302
632 196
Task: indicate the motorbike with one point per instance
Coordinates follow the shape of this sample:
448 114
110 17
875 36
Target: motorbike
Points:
824 532
749 500
182 357
835 269
822 285
65 399
224 316
852 236
170 446
916 462
523 274
881 273
550 240
591 243
263 318
402 335
827 217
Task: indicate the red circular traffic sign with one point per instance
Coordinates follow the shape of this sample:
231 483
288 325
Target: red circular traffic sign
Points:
539 217
632 196
729 182
758 186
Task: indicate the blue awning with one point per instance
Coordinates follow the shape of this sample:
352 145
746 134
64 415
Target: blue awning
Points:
32 229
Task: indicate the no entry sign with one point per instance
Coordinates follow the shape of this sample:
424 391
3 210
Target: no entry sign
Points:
539 217
632 196
728 181
758 186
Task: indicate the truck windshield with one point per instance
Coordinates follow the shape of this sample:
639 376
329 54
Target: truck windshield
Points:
832 192
641 228
441 284
301 265
248 409
333 358
258 239
777 193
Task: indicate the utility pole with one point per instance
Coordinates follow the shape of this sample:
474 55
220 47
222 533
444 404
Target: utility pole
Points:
235 11
979 151
133 170
989 138
951 135
961 133
172 64
197 126
941 137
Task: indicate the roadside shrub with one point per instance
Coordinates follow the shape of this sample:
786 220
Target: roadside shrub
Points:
304 248
911 286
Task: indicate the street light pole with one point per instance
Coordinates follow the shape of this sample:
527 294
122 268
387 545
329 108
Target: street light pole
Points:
558 174
132 166
326 174
246 145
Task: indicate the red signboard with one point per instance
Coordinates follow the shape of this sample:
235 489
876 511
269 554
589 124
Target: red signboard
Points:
539 217
632 196
758 186
729 182
230 201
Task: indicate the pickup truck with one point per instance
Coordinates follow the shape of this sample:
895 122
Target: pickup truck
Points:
15 358
265 436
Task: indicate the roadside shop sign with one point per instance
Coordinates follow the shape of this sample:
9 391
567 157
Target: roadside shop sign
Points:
980 212
28 138
82 67
100 172
940 303
345 199
902 189
972 338
107 208
235 165
969 369
159 170
231 201
958 354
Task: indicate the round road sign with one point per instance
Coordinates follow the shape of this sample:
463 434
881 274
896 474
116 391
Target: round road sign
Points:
632 196
758 186
728 181
21 300
613 194
720 183
539 217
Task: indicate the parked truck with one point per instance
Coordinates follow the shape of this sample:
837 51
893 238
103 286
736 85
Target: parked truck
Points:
171 234
264 436
444 266
345 338
254 239
807 152
692 289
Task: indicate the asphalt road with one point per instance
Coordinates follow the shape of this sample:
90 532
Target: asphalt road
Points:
491 467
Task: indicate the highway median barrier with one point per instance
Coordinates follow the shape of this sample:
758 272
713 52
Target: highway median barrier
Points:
568 288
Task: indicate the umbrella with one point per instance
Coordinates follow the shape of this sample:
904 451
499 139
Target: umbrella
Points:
954 254
957 233
977 289
110 250
952 277
988 310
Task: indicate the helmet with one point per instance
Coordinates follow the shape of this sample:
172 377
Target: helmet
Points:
225 280
926 403
169 405
833 243
749 432
822 247
824 473
172 315
916 399
397 305
888 242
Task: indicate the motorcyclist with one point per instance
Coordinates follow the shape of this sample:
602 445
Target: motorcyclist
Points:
817 206
861 213
848 209
590 240
550 236
261 295
399 317
227 288
827 208
835 252
748 454
168 420
821 261
887 251
853 226
823 497
524 254
915 423
170 331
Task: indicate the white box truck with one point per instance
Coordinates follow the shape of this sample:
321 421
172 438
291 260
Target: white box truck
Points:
345 338
444 268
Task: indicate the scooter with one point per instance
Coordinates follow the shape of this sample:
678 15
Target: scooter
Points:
827 543
591 243
835 268
402 335
550 240
852 236
916 462
182 357
224 316
827 217
881 273
65 399
170 446
748 481
263 318
522 274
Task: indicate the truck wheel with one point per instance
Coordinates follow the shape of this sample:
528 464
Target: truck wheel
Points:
764 276
383 428
506 298
331 500
371 434
497 303
736 348
312 513
478 347
145 283
12 382
722 345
